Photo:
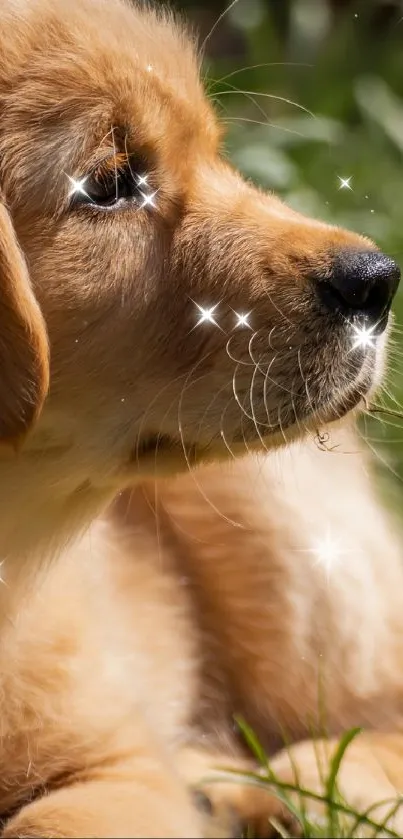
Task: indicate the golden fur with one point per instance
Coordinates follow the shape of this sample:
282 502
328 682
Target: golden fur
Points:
127 648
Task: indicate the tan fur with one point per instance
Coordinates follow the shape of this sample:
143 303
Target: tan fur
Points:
128 645
24 346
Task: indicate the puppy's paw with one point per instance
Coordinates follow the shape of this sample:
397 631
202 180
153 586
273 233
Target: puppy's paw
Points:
233 806
110 809
236 810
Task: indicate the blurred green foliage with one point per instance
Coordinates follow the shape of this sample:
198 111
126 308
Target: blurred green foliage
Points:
341 63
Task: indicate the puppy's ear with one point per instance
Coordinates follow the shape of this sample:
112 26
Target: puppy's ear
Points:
24 355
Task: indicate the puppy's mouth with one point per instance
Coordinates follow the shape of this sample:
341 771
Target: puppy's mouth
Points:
314 408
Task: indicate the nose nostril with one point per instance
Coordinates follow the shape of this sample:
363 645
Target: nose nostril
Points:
362 282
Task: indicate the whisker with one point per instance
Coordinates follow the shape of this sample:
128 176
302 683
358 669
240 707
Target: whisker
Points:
273 96
297 420
280 424
115 164
212 400
256 424
191 471
128 160
391 397
379 457
394 366
238 401
281 387
202 493
373 410
105 137
232 357
222 434
266 378
256 363
304 379
247 95
278 308
245 442
259 66
384 440
146 414
265 124
217 23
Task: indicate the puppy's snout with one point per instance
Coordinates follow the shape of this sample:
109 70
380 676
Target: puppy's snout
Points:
362 283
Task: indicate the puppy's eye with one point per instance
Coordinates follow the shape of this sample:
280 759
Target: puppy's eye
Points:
106 189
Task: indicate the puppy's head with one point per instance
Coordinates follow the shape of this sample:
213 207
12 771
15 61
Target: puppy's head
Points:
188 312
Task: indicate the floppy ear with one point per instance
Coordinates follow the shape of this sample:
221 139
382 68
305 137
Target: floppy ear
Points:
24 355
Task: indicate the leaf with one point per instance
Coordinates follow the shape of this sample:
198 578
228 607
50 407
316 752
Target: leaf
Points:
382 106
252 741
331 782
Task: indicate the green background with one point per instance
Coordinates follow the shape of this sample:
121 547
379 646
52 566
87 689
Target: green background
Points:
343 61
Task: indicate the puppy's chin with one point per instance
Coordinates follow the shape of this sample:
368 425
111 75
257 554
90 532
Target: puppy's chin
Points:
169 457
165 455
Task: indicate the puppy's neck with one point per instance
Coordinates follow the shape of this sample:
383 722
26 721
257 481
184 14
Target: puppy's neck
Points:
47 498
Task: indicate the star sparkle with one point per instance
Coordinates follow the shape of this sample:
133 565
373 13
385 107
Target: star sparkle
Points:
363 337
327 551
345 183
242 320
77 186
207 314
142 180
148 199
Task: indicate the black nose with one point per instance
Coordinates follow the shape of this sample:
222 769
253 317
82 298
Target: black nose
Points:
363 283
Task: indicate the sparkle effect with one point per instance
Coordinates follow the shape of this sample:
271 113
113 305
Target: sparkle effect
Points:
363 337
77 186
142 180
345 183
148 200
207 315
328 551
242 320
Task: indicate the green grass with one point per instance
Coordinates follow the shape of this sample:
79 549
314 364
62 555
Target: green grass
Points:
338 819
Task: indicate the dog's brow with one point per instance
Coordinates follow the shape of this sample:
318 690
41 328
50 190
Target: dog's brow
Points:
106 162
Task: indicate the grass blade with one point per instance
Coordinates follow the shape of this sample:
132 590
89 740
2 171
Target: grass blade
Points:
331 790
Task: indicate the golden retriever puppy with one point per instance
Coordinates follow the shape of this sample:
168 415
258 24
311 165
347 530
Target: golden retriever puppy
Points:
181 317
